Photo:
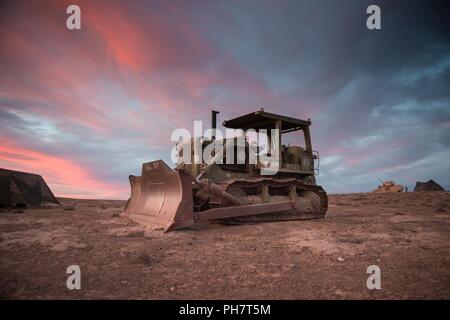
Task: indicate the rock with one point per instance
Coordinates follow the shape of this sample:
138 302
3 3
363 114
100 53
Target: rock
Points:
340 259
430 185
49 205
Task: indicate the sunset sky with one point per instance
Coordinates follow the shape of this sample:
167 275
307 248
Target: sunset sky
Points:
85 108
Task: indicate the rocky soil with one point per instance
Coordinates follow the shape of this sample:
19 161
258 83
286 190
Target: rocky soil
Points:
406 234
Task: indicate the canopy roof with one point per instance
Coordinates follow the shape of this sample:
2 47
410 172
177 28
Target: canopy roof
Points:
265 120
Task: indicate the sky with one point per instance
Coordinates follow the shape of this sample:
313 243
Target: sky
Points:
85 108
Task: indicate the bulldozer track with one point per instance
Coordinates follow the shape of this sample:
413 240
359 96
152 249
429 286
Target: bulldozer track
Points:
285 215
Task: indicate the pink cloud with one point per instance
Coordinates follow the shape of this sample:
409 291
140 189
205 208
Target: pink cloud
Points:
65 178
157 59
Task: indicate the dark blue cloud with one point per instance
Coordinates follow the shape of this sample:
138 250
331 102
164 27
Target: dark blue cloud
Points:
379 100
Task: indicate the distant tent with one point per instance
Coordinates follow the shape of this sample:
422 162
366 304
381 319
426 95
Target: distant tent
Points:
430 185
23 189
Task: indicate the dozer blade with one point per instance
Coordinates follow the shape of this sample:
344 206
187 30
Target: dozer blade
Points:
161 198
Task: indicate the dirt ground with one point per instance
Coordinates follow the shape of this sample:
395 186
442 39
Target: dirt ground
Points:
406 234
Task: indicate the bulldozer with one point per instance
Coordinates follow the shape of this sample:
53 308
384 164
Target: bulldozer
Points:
389 186
242 191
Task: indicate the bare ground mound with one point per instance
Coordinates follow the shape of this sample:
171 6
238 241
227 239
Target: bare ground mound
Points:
406 234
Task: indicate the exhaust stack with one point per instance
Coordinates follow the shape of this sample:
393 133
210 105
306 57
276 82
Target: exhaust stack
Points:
214 124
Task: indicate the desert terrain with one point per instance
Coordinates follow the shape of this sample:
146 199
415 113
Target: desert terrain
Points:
406 234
